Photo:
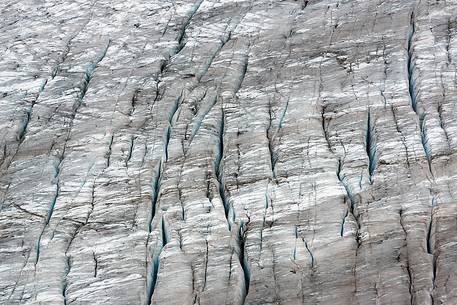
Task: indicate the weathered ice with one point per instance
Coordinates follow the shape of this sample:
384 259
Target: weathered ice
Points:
228 152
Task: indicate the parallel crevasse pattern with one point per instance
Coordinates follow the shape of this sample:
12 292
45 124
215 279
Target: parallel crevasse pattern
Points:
228 152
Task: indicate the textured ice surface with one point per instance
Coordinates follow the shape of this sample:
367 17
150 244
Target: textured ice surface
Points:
228 152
